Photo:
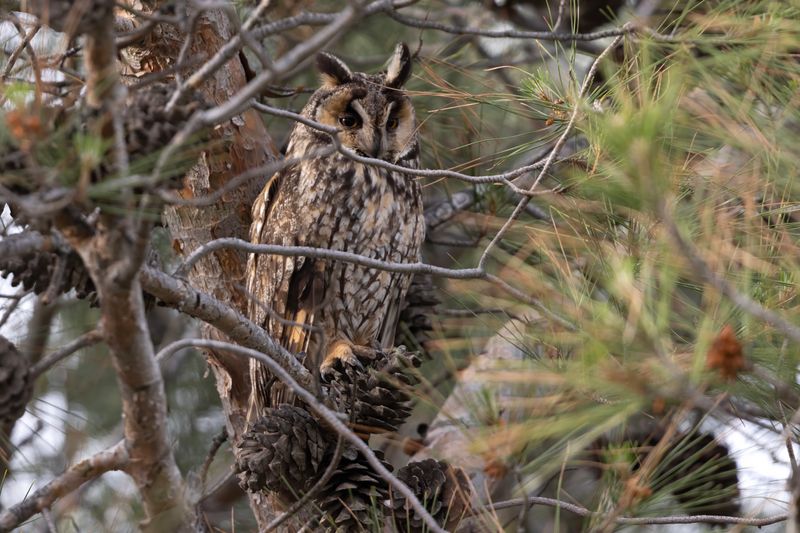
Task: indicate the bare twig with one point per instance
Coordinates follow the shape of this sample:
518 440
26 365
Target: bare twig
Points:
232 47
12 305
250 174
114 458
348 257
689 519
216 443
509 34
504 178
562 4
324 253
48 361
241 100
330 417
24 43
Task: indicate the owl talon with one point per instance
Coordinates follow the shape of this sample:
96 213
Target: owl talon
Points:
340 356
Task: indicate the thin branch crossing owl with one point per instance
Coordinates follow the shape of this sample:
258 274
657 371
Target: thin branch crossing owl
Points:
326 309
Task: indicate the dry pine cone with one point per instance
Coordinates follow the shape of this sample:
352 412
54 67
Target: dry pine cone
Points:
711 483
697 470
443 490
149 128
282 452
375 396
40 269
16 386
351 499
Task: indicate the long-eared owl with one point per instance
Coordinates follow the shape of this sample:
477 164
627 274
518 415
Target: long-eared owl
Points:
321 309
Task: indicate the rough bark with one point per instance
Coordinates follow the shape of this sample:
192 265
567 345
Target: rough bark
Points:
239 144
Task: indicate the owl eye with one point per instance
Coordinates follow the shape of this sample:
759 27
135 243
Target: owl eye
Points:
391 123
348 120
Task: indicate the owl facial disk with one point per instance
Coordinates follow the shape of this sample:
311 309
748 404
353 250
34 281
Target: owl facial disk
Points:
372 113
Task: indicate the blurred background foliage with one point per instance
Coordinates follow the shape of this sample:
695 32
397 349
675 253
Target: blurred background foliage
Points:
651 386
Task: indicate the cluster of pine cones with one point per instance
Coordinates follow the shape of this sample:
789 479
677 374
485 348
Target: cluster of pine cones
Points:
31 168
57 271
287 451
31 150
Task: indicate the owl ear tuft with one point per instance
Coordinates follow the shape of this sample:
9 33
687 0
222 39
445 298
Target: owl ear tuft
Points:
333 70
399 68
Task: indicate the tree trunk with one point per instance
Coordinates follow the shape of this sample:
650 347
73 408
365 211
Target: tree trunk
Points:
239 144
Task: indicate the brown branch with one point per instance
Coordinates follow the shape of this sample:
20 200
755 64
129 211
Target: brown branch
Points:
246 35
114 458
24 44
286 65
216 443
185 298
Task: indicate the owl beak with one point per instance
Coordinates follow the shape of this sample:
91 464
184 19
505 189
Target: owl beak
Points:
375 149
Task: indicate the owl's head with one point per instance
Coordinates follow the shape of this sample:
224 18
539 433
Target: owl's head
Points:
373 114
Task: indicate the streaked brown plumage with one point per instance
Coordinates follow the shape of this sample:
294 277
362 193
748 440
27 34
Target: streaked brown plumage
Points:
321 308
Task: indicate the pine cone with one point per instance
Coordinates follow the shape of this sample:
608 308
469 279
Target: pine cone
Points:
421 299
712 481
698 470
37 270
351 499
16 386
282 452
149 128
442 489
375 396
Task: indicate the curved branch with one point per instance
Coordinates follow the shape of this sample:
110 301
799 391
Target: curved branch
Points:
640 520
503 178
507 34
47 362
180 295
114 458
349 257
324 253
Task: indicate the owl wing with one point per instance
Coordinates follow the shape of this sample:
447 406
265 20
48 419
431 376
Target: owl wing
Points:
284 291
400 282
388 327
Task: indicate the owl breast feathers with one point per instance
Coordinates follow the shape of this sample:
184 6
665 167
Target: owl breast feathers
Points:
321 308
